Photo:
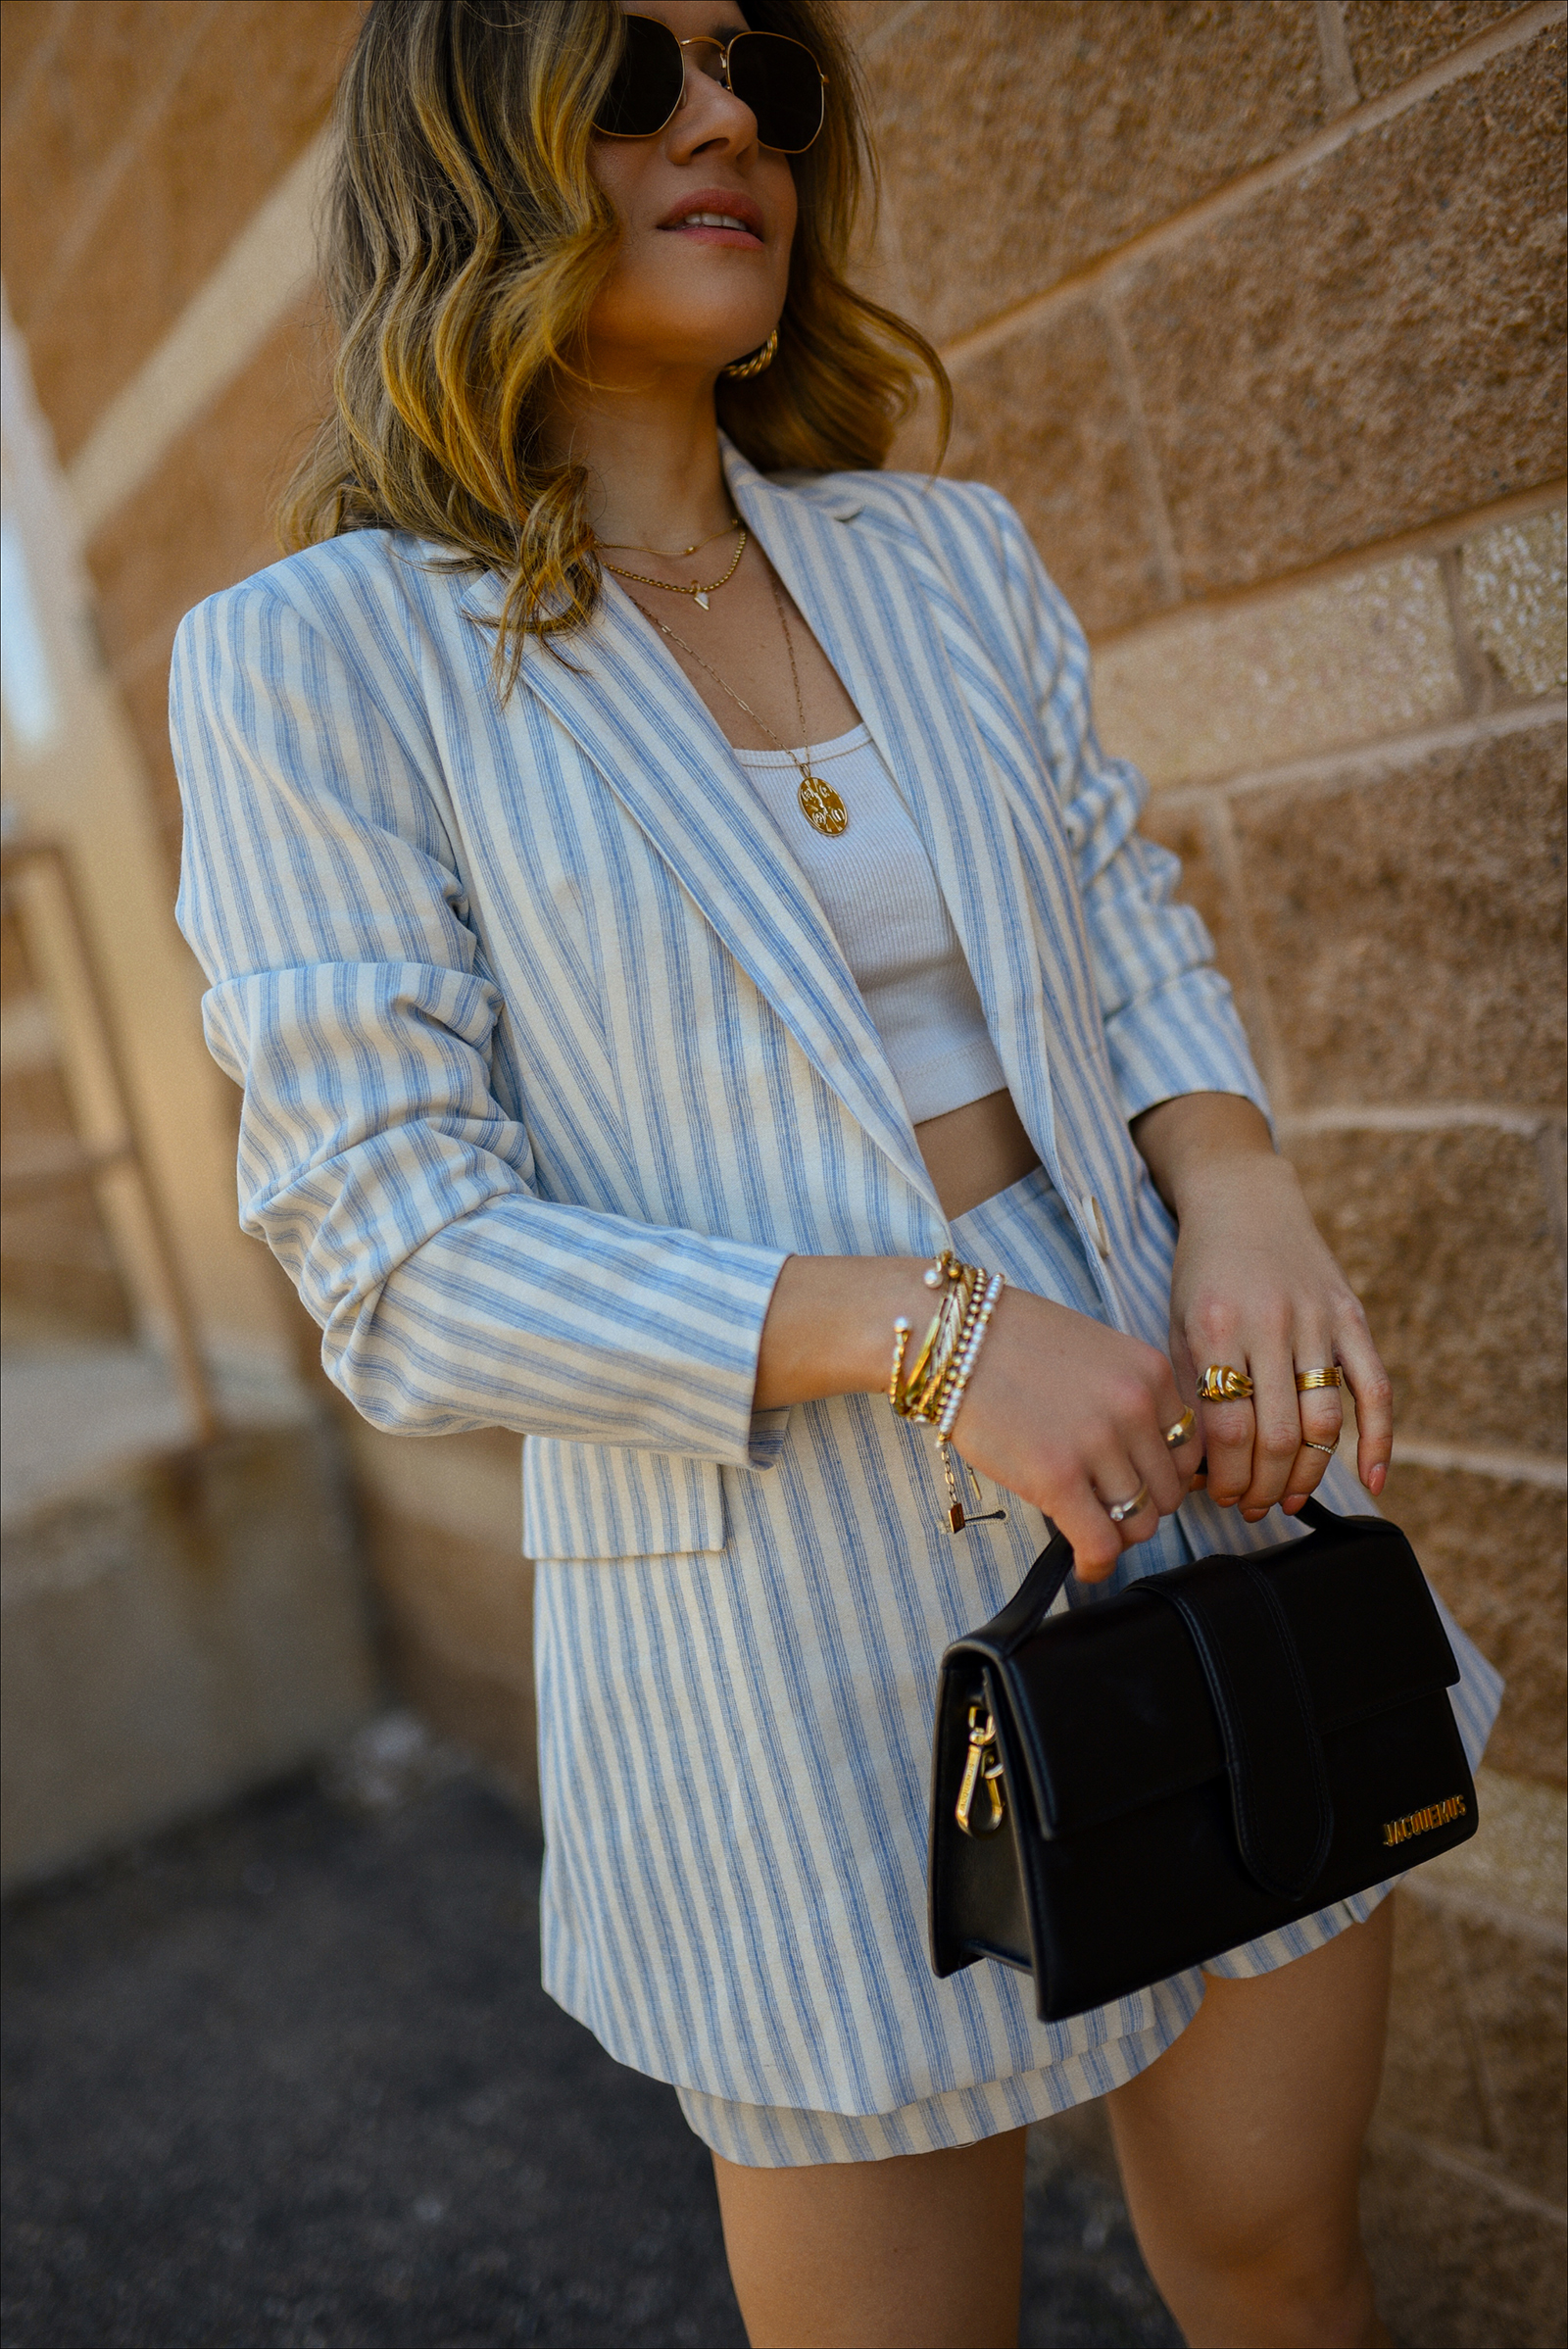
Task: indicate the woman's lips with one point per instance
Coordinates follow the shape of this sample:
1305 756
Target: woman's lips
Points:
702 232
713 216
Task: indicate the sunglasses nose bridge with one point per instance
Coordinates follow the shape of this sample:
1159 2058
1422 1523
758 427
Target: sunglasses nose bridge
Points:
721 68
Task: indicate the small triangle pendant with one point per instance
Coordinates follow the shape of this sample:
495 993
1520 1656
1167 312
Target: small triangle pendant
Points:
702 597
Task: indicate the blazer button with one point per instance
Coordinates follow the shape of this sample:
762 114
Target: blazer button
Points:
1102 1234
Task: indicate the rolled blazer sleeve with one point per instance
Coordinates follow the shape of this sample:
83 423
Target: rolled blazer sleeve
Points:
1170 1019
320 894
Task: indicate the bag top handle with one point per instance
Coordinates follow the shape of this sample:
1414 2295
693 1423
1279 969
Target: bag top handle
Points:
1046 1578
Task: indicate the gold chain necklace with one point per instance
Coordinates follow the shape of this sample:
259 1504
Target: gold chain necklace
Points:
672 588
628 546
818 802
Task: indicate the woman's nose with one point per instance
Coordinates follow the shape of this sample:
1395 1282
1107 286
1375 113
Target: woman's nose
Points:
709 114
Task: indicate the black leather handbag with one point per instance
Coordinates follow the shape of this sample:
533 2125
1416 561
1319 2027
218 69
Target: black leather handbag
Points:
1125 1789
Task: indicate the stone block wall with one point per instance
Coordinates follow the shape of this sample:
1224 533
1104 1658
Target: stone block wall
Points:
1255 313
1255 309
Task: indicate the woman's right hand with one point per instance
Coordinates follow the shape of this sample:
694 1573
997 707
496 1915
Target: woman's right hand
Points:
1060 1410
1071 1416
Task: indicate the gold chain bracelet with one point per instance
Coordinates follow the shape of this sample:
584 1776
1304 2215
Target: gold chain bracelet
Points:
931 1387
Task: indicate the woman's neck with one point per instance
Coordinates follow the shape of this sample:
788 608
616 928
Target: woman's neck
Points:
652 456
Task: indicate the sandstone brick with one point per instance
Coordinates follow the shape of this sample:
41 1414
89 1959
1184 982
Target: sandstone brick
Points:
1211 694
1410 930
1498 1554
28 29
1043 417
1373 345
253 92
205 517
1459 2258
1513 1872
1514 1992
1514 580
1020 142
95 94
1444 1238
1429 2082
1388 41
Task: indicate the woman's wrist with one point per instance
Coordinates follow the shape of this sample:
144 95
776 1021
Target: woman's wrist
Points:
1199 1140
829 1327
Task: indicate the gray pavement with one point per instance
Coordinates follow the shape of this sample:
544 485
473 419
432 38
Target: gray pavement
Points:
288 2077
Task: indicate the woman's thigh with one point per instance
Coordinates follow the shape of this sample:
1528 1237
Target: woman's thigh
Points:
923 2251
1240 2148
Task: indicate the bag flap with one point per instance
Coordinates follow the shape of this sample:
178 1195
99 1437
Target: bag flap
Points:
1110 1706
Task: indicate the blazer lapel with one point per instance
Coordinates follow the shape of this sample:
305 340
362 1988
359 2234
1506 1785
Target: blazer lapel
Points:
632 712
885 637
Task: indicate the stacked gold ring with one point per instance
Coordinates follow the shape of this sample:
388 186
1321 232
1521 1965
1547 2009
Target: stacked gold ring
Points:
1220 1384
1307 1382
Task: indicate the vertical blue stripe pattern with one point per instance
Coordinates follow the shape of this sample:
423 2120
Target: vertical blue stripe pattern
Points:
550 1059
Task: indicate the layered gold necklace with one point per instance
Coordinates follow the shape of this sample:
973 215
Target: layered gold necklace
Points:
672 587
818 802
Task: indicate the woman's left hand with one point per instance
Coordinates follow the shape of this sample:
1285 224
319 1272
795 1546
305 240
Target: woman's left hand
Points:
1254 1287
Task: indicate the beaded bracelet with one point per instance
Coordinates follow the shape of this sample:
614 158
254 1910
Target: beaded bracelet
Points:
933 1386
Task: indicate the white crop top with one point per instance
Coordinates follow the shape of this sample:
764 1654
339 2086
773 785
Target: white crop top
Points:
877 886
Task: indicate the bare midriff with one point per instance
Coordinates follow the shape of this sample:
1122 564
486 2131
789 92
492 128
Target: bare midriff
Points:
975 1151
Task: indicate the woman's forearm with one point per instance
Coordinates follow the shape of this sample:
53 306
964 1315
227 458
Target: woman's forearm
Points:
1182 1141
830 1328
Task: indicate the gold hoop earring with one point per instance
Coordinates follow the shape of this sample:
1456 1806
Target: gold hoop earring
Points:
740 371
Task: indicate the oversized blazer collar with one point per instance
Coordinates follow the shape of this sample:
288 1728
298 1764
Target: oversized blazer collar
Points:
636 716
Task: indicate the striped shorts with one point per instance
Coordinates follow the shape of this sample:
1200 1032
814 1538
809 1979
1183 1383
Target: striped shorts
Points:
765 2137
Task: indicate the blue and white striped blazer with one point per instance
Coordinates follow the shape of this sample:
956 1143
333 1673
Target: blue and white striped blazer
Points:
550 1056
550 1059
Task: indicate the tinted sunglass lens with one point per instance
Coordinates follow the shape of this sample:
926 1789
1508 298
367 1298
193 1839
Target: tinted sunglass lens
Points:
779 80
647 81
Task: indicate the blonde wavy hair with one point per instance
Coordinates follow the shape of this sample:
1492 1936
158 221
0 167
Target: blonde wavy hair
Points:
464 241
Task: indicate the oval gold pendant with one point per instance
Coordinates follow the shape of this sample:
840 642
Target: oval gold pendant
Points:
823 807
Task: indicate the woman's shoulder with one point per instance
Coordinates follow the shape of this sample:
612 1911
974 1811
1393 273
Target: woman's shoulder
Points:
922 506
337 589
965 537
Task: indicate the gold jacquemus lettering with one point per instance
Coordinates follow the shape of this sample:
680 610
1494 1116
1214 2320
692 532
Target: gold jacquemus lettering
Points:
1421 1823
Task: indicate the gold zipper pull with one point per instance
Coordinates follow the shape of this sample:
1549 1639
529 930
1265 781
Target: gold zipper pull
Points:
983 1763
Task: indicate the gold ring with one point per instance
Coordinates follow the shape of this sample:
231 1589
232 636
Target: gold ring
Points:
1330 1448
1118 1511
1220 1384
1307 1382
1182 1432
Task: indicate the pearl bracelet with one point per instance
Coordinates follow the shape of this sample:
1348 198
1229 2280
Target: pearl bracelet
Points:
981 1308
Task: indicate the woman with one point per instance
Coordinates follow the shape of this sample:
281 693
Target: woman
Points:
659 889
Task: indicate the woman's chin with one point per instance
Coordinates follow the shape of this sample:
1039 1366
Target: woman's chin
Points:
697 354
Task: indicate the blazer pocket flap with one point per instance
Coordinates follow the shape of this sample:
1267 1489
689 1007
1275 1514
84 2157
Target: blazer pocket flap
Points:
595 1501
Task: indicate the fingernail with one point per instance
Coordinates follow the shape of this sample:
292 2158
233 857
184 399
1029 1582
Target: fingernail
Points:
1373 1483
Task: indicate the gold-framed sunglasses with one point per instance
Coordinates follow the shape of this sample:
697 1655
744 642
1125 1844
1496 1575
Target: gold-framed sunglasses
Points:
777 78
